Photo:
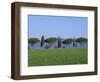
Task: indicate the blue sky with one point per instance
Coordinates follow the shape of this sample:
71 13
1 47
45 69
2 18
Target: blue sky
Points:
55 26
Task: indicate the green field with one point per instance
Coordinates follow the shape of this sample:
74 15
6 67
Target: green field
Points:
59 56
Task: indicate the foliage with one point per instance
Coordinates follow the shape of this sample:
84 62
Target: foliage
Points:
56 47
81 39
51 40
33 40
47 46
59 42
42 41
63 47
74 42
68 41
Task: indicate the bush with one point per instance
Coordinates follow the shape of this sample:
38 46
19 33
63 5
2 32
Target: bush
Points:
63 47
47 46
56 47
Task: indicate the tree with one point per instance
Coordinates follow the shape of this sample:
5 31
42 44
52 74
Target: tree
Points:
74 42
42 41
81 40
59 42
68 41
32 41
51 40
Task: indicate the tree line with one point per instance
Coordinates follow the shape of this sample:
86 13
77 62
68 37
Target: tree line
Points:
51 40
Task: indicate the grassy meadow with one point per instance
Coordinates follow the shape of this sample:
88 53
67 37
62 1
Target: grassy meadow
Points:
59 56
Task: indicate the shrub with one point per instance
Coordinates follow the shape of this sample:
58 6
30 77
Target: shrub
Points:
63 47
47 46
56 47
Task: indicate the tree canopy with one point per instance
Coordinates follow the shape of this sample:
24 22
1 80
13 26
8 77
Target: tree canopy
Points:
68 41
33 40
81 39
51 40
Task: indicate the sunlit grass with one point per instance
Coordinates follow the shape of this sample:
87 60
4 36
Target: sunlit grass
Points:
59 56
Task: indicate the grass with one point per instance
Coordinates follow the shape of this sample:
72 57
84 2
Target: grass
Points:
60 56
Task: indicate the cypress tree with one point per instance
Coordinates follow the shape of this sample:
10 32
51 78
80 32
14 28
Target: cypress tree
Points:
74 44
42 41
59 42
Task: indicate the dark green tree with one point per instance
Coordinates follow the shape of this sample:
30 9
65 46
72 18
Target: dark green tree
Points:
59 42
81 40
32 41
51 40
74 42
42 41
68 41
